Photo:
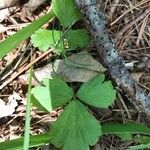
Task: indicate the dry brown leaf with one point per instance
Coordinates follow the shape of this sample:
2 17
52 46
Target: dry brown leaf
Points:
9 108
5 13
77 68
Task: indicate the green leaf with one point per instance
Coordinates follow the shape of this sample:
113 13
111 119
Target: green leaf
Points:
115 128
124 136
28 110
17 144
54 94
144 142
66 11
75 129
44 39
140 147
13 41
144 139
97 93
77 38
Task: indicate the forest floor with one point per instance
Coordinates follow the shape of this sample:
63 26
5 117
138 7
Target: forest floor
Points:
129 26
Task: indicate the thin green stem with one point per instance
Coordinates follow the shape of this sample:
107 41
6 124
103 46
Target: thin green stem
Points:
27 122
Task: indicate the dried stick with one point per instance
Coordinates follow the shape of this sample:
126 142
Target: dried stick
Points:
145 21
96 22
139 18
21 70
113 8
127 11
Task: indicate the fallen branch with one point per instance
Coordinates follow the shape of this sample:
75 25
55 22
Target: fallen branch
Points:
96 22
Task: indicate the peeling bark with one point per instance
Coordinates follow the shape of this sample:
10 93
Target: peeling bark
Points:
109 57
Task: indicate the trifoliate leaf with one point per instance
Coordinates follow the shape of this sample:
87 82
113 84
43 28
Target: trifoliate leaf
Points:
97 93
44 39
77 38
75 129
66 12
54 94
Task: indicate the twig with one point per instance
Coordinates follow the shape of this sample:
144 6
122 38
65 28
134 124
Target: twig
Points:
113 8
21 70
141 31
95 20
127 11
3 28
124 105
12 68
142 16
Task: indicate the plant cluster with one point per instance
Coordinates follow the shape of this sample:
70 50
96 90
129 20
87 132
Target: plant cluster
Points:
76 128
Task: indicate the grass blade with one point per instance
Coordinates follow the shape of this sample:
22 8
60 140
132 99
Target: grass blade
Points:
13 41
114 128
139 147
17 144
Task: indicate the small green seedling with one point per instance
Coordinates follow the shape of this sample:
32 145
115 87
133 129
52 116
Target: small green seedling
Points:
70 130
